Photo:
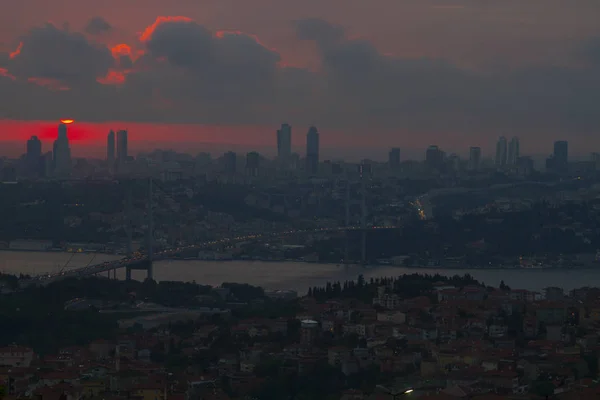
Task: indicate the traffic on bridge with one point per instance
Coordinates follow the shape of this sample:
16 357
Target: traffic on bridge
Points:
140 258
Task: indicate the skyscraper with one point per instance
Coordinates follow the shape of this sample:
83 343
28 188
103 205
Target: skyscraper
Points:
62 152
561 155
394 158
284 143
252 163
110 148
121 147
34 155
230 162
474 158
501 152
434 157
513 151
312 151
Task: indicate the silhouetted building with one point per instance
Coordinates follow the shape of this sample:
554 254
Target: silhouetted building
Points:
230 162
365 168
394 158
284 143
501 153
110 148
312 151
33 156
524 166
252 163
513 151
474 158
62 152
561 155
434 157
122 151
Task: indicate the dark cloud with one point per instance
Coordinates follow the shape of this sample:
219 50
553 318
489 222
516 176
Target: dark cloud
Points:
216 69
97 26
68 57
189 73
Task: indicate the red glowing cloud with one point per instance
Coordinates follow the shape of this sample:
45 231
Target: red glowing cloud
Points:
147 34
113 77
121 50
17 51
48 83
4 72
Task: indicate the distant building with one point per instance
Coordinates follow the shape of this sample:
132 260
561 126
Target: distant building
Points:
230 162
474 158
33 157
252 163
434 157
501 152
561 155
284 143
110 148
312 151
122 147
524 166
62 152
513 151
394 158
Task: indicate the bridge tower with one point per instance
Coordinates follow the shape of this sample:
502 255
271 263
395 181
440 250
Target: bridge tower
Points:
347 249
363 220
149 233
150 272
128 225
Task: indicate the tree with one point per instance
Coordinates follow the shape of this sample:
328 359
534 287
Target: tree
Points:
545 389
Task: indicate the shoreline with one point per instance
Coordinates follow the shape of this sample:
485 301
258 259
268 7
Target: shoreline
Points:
373 266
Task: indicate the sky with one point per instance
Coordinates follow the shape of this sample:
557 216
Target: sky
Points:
191 74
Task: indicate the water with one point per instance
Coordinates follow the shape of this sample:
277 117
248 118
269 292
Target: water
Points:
290 275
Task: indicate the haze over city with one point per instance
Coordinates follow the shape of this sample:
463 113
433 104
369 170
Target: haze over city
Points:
408 74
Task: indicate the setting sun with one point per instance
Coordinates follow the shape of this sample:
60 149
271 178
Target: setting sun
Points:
66 121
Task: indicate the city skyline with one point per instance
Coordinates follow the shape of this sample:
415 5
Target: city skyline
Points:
116 144
365 76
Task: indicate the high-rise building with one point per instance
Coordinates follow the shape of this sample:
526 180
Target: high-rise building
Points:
501 153
230 162
110 148
33 156
474 158
561 153
122 147
284 143
312 151
513 151
62 152
252 163
434 157
394 158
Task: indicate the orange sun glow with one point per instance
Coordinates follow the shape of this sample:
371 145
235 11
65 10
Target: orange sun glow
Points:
66 121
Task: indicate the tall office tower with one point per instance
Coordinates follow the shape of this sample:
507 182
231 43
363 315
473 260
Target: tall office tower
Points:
474 158
110 148
121 147
513 151
394 158
434 157
312 151
252 163
230 162
284 143
62 152
561 153
33 156
501 152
